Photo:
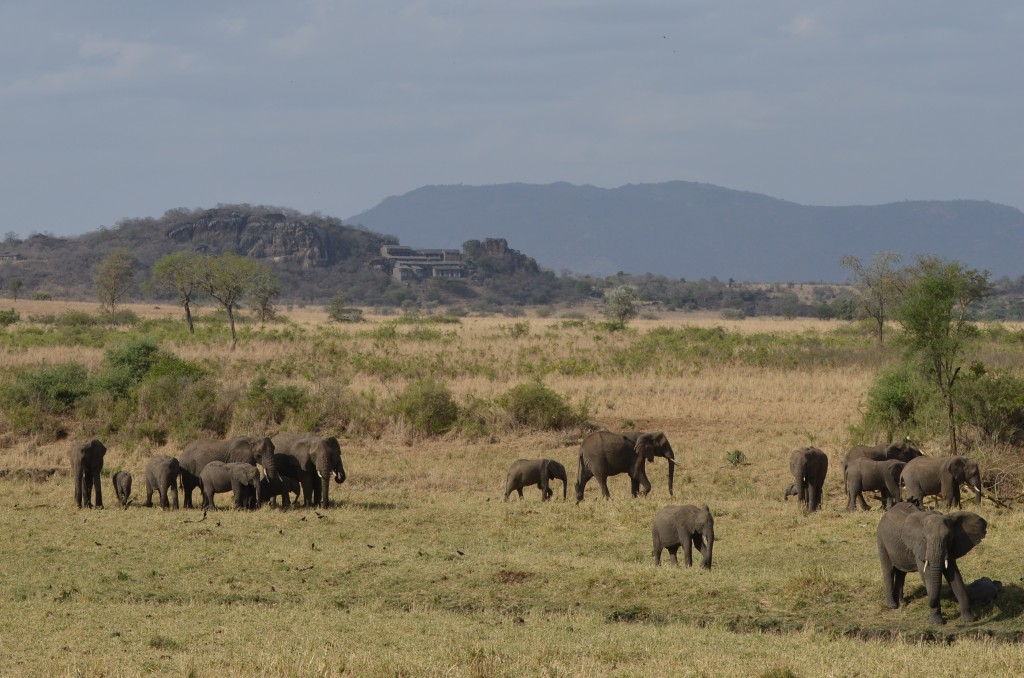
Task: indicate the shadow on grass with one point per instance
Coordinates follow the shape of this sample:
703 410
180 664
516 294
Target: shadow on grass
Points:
376 505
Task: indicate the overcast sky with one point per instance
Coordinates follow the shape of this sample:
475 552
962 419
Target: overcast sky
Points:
127 109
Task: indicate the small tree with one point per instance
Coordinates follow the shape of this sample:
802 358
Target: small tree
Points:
620 305
878 286
933 313
264 289
14 286
114 278
226 278
181 273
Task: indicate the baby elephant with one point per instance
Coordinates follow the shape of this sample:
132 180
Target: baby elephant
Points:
687 526
122 487
162 476
240 478
539 472
869 475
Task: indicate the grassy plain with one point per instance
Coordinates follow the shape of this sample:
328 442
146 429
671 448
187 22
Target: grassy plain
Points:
421 569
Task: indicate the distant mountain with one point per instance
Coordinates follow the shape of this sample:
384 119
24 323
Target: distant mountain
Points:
693 230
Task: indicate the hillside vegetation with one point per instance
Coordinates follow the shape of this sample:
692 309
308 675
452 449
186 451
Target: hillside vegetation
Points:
420 568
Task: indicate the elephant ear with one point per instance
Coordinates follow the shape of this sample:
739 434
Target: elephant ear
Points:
957 467
98 447
914 530
644 446
967 530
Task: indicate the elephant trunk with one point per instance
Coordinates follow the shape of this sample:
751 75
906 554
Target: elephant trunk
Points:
707 549
932 575
325 488
671 471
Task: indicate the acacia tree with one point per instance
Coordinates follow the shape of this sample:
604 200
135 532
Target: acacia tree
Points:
114 278
264 289
181 273
878 285
226 278
14 286
620 305
934 315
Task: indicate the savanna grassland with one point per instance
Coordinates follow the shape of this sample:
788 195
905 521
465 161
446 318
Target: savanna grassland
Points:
420 568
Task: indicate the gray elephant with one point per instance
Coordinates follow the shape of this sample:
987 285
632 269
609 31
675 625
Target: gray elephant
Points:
122 481
539 472
237 477
250 450
603 454
927 476
162 473
912 538
318 459
86 464
688 526
901 451
290 473
869 475
809 466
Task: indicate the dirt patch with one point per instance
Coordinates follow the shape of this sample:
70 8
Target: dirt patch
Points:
511 576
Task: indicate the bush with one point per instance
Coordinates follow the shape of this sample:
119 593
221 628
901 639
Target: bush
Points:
180 408
37 399
894 402
993 402
9 317
265 405
536 406
427 406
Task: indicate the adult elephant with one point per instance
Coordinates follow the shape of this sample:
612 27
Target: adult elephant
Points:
540 472
809 466
912 538
251 450
604 454
86 463
688 526
868 475
901 451
927 476
318 459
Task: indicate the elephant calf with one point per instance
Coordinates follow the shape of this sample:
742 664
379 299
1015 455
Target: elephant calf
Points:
122 481
162 474
868 475
539 472
809 466
238 477
687 526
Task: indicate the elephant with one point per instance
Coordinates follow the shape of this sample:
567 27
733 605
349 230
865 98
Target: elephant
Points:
942 475
162 473
122 482
687 526
240 478
809 466
910 537
318 458
290 472
86 463
539 472
250 450
869 475
603 454
901 451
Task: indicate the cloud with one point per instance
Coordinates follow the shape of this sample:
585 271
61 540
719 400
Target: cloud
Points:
807 25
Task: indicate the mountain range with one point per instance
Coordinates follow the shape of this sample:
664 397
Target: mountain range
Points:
695 230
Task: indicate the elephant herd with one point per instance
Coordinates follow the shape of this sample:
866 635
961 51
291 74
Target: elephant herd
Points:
255 470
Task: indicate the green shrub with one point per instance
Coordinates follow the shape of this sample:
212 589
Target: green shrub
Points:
9 317
180 408
992 402
266 405
52 388
427 407
42 296
894 402
536 406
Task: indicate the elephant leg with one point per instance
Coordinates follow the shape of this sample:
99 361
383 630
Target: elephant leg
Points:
899 579
698 543
956 582
99 487
814 497
687 550
603 482
187 486
174 495
891 578
79 483
643 485
672 550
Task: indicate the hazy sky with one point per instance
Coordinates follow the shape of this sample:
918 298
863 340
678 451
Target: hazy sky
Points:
125 109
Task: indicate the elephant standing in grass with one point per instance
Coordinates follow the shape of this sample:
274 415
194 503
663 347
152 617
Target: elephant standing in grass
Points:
239 478
901 451
604 454
809 466
927 476
290 472
243 449
122 482
539 472
318 459
687 526
912 538
868 475
162 474
86 464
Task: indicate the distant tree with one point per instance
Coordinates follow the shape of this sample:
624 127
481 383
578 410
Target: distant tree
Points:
620 305
114 278
264 289
226 278
933 312
181 273
878 286
789 305
338 311
14 286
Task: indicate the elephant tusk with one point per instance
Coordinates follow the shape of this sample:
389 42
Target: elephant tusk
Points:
925 567
975 489
945 564
320 475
